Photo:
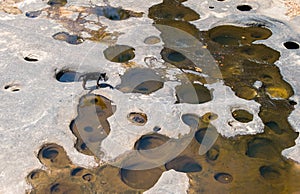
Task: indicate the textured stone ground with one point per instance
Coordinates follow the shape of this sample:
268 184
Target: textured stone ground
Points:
37 109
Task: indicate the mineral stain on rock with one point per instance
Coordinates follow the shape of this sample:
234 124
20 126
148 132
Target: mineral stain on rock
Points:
249 164
79 29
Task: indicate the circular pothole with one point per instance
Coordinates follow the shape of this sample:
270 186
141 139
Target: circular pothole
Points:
212 154
261 148
244 7
67 76
140 179
156 129
119 53
274 127
152 40
137 118
31 58
193 94
224 178
57 2
12 87
183 164
88 177
76 171
140 80
242 116
269 173
176 56
291 45
210 116
50 153
150 141
33 14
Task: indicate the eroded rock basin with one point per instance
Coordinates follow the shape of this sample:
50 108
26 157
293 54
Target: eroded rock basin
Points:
212 105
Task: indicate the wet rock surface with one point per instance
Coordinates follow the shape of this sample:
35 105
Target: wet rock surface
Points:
203 96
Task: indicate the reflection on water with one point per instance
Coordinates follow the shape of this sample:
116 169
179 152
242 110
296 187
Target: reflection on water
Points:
241 164
119 53
140 80
91 125
245 163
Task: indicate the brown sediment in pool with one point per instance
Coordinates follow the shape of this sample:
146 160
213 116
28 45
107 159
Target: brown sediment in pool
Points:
214 164
250 163
62 176
91 126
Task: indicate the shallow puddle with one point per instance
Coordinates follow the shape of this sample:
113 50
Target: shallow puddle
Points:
71 39
119 53
60 175
245 164
140 80
242 116
214 164
57 2
91 125
193 94
66 75
137 118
